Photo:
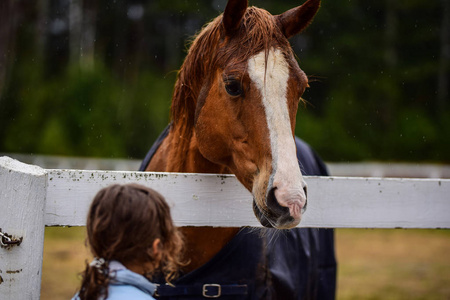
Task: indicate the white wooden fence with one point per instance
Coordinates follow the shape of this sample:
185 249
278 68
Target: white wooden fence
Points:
32 198
353 169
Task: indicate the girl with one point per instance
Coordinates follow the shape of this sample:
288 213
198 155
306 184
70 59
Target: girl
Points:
132 237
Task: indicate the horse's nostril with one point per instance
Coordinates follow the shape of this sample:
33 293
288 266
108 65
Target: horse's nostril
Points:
274 207
305 189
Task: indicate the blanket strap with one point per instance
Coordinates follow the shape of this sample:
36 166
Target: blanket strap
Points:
209 290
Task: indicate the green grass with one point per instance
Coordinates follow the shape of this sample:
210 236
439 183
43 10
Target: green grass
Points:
64 256
380 264
393 264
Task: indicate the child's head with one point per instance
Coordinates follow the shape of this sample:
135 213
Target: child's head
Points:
132 224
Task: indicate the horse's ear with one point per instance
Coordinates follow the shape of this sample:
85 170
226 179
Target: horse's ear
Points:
233 14
297 19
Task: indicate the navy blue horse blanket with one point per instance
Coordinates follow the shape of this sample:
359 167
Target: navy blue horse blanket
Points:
295 264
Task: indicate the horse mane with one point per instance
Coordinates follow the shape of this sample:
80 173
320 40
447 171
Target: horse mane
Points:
212 49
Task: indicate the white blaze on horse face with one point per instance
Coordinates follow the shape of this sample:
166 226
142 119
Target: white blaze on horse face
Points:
271 81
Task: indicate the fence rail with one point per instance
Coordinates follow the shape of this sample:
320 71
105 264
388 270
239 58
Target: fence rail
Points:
350 169
32 198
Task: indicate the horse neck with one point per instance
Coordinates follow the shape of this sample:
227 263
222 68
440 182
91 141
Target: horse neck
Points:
180 153
183 154
192 76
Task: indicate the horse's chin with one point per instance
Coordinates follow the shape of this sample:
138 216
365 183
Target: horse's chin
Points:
261 217
279 222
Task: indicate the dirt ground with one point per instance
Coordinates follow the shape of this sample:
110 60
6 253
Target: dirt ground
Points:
373 264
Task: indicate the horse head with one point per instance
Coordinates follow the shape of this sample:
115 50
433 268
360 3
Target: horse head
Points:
240 86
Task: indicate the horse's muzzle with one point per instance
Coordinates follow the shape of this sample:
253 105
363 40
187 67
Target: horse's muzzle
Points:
276 215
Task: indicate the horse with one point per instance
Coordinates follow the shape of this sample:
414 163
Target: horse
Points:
233 111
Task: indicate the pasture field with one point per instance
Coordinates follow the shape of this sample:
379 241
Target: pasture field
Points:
373 263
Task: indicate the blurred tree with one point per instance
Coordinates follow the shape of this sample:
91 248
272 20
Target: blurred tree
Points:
8 29
444 64
374 70
85 77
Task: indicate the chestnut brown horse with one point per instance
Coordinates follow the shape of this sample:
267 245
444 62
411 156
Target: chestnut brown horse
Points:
233 111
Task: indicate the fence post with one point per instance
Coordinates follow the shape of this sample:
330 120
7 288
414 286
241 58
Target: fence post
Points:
22 202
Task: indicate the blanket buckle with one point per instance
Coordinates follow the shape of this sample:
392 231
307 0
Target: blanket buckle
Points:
206 290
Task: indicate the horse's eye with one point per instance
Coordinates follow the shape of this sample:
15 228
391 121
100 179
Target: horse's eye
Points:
233 88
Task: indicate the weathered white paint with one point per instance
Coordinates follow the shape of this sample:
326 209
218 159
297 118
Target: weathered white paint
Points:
22 201
220 200
377 203
196 200
348 169
271 77
31 197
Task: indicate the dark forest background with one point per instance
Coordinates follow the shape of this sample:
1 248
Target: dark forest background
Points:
95 78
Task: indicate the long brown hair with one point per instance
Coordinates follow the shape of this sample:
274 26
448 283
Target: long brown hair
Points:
122 224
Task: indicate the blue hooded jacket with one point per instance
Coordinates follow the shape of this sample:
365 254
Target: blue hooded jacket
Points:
126 284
